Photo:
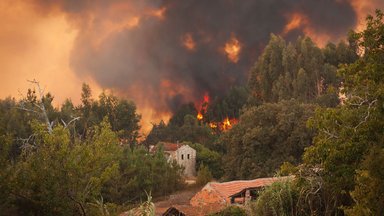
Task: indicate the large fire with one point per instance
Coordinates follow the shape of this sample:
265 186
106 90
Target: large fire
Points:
232 48
224 125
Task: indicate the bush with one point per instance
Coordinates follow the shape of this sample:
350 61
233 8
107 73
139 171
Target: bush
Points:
203 175
278 199
231 211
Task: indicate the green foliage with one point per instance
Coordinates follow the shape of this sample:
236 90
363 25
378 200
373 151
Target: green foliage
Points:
177 119
278 199
229 105
58 177
298 70
203 175
287 169
81 166
348 133
265 137
231 211
190 131
209 158
139 172
369 189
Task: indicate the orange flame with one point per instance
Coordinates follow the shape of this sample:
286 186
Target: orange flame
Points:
188 42
226 124
300 21
199 116
296 21
213 125
202 107
233 48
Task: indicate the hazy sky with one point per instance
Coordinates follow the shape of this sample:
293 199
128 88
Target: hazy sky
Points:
157 53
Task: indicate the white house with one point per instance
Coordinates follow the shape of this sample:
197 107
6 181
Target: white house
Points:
184 155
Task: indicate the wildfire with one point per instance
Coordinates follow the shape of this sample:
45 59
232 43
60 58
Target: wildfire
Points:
217 126
199 116
188 42
233 48
213 125
296 20
202 107
300 21
226 124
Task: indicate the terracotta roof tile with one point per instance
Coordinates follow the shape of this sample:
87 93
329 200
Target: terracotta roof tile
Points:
167 146
215 192
226 189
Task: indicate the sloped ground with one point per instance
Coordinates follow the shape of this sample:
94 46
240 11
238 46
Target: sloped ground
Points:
178 198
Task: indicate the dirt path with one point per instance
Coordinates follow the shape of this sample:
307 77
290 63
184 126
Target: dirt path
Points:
178 198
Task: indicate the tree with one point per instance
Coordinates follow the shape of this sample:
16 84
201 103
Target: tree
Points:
299 70
265 137
57 177
347 133
209 158
231 211
177 119
369 189
203 175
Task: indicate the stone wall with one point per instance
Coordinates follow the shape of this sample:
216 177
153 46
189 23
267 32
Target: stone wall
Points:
186 157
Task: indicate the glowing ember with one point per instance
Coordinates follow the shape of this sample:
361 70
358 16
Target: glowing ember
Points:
188 42
213 125
233 48
199 116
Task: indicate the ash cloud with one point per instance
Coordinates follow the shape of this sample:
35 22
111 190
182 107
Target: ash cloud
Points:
148 63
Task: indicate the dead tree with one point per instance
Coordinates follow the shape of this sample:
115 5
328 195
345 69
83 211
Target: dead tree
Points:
38 105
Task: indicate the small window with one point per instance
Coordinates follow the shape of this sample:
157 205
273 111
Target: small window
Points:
182 157
188 156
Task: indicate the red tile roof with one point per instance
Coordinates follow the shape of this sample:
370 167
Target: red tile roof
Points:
227 189
167 146
171 146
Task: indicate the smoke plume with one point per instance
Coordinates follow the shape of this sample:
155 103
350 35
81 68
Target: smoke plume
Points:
164 53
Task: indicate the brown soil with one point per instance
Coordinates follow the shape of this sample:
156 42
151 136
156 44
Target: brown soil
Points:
179 198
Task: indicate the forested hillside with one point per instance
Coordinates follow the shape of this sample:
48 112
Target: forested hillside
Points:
315 113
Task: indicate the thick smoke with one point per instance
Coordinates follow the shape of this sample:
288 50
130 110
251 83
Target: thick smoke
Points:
136 47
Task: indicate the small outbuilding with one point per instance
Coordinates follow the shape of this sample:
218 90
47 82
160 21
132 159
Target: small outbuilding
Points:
233 192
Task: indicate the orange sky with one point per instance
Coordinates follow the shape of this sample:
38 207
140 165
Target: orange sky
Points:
37 45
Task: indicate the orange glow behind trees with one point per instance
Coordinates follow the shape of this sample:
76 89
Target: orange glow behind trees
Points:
232 48
300 21
188 42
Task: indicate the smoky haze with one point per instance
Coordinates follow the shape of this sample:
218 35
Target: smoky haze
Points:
164 53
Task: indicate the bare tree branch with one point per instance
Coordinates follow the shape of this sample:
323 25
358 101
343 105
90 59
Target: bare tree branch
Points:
367 115
39 105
